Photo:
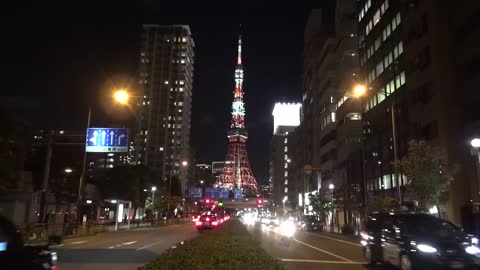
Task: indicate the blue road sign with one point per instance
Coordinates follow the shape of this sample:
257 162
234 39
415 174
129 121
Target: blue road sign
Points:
224 194
208 192
104 140
237 194
195 192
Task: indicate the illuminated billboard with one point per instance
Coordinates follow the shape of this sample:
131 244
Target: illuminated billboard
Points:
286 114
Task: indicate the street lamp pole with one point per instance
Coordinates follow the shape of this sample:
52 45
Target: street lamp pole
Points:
154 188
84 165
359 91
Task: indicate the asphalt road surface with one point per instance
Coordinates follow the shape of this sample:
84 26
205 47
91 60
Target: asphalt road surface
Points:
312 250
124 250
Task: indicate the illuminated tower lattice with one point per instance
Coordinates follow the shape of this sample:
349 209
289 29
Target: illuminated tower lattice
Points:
237 172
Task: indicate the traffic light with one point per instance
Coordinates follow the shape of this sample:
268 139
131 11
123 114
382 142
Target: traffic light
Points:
220 204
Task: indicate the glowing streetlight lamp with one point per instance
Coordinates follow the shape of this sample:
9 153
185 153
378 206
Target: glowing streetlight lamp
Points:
68 170
121 96
331 186
184 163
475 143
359 90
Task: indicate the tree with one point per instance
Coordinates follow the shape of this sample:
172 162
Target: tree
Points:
427 172
345 196
386 204
126 183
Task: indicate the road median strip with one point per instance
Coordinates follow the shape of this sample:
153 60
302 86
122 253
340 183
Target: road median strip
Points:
228 247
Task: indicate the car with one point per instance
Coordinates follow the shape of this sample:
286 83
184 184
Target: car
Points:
418 241
15 254
207 222
311 223
195 218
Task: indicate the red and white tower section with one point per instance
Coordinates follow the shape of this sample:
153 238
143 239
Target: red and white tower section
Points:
237 172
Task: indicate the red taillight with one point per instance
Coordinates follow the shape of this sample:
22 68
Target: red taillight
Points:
215 223
198 223
364 235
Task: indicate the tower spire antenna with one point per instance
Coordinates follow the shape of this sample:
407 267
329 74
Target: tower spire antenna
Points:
237 172
239 58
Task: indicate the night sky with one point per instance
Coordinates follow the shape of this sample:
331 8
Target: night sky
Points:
60 59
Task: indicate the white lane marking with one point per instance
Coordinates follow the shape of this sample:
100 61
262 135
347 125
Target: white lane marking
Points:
322 250
318 261
123 244
331 238
319 249
78 242
149 245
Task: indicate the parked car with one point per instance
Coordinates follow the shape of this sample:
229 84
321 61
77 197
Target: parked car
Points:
14 254
207 222
418 241
311 223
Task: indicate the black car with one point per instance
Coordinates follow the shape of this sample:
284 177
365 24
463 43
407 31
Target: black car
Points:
207 222
14 254
311 223
418 241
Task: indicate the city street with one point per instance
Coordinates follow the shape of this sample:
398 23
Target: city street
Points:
121 250
311 250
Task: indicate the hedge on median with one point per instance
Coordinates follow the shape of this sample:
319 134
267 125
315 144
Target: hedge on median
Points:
228 247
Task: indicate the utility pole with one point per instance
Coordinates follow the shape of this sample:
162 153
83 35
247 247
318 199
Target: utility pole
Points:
46 176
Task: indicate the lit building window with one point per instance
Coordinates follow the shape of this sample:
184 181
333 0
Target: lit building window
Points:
286 174
286 182
285 140
180 89
182 82
286 190
286 149
160 148
182 61
166 82
184 39
286 165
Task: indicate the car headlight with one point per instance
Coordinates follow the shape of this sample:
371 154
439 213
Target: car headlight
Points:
426 248
53 256
474 240
474 250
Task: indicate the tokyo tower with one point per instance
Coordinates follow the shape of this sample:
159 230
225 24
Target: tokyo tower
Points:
237 172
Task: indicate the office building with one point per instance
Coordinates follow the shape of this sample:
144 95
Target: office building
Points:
420 64
166 78
286 116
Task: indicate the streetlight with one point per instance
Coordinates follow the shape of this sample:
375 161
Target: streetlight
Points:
201 182
68 170
475 143
184 164
331 187
153 189
360 90
121 96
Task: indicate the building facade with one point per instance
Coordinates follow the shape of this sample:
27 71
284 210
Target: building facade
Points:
286 116
166 79
420 65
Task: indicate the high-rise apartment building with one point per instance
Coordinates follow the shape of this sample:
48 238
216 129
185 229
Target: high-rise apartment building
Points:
420 64
166 78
